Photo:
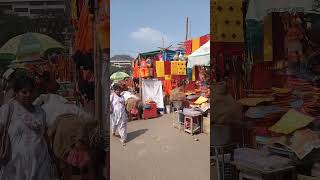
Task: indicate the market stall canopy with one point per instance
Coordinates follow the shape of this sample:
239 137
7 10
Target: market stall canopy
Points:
201 57
258 9
119 76
168 53
29 47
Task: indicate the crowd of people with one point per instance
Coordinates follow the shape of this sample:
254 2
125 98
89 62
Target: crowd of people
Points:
29 154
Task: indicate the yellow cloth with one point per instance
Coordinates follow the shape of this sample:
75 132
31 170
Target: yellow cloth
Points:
182 68
193 74
174 67
290 122
253 101
74 11
201 100
195 44
267 42
167 77
226 21
160 68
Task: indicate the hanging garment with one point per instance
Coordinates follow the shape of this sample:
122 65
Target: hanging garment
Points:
167 68
278 33
195 44
227 23
254 40
167 87
189 73
268 44
144 72
188 47
160 69
174 67
182 68
136 71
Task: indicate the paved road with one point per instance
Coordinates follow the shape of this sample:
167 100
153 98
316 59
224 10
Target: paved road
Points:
157 151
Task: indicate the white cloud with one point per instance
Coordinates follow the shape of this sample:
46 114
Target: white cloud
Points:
149 36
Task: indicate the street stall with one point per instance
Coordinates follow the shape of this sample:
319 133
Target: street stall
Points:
278 91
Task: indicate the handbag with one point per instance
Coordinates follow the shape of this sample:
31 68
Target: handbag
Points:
5 146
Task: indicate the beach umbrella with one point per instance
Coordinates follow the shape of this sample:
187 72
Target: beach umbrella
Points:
30 46
119 76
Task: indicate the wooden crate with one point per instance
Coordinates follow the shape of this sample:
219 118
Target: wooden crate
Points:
206 125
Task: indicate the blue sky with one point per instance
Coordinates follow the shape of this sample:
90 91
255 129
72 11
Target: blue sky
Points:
140 25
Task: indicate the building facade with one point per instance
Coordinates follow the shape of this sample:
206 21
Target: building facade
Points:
33 8
121 63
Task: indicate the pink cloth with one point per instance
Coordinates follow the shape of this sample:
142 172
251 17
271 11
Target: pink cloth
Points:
78 157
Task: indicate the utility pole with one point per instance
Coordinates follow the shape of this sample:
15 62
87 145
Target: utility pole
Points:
187 24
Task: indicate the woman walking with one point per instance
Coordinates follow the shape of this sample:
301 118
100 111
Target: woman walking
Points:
30 158
119 117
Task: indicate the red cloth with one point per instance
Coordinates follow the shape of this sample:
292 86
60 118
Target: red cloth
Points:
167 68
188 47
261 76
204 39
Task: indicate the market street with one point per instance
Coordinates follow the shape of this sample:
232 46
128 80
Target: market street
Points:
157 151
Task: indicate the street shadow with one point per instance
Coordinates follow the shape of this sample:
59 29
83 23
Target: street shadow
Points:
135 134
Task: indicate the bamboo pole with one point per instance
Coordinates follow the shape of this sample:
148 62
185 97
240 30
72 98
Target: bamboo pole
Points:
97 67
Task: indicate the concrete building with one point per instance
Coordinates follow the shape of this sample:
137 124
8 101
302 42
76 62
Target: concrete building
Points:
33 8
121 63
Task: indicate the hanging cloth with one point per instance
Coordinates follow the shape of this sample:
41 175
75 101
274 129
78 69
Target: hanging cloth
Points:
174 67
195 44
188 47
160 69
167 67
167 87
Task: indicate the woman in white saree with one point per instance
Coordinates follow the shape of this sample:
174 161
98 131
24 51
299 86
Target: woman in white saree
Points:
30 158
119 117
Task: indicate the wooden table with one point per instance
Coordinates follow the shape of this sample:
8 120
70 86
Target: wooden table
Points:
246 171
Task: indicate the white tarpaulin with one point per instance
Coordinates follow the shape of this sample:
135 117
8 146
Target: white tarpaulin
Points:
200 57
152 89
258 9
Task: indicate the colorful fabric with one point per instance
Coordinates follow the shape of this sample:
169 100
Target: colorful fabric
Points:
193 74
195 44
182 68
167 68
167 77
254 38
160 68
136 71
174 67
74 11
144 72
167 87
291 121
188 47
227 23
268 50
204 39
